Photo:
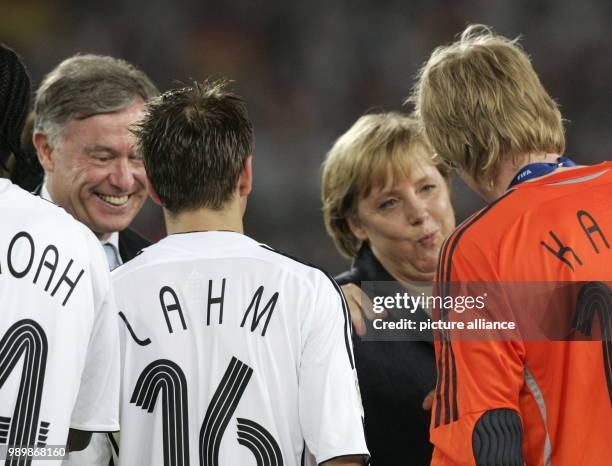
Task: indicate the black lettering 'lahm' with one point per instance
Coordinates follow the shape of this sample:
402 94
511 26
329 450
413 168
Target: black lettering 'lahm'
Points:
218 300
174 305
269 309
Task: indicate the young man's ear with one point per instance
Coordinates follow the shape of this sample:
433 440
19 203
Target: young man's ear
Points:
153 194
44 150
245 181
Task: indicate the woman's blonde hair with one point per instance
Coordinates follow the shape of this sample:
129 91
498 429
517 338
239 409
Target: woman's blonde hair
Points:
374 147
480 100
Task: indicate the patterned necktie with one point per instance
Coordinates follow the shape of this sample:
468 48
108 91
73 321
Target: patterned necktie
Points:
111 256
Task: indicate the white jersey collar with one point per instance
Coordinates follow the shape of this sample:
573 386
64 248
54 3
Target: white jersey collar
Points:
217 239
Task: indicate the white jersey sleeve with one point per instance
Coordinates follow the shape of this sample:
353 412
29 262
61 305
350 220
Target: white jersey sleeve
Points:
97 405
329 400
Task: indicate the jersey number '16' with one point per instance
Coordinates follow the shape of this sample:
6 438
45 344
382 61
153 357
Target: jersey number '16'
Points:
167 377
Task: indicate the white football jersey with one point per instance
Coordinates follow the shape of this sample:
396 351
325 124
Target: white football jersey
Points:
233 354
59 349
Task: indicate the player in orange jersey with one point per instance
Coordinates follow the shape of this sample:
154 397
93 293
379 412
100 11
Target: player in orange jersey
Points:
521 400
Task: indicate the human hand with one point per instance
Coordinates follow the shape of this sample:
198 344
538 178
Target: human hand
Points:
360 305
428 401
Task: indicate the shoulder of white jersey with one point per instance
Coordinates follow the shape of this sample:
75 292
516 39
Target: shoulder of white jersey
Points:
44 210
255 250
45 214
298 266
323 280
316 276
29 201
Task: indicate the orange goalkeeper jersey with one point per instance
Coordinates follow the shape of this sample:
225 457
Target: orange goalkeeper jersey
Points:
553 229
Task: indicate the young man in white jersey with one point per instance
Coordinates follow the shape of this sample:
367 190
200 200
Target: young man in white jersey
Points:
232 353
59 357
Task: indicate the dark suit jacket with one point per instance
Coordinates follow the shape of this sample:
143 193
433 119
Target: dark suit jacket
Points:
394 378
130 242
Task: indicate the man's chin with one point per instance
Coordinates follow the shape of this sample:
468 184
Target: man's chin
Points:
103 229
104 221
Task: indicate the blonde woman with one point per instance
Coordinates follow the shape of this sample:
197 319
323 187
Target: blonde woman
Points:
386 205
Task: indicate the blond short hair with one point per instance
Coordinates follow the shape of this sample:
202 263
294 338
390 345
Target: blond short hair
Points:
374 147
480 100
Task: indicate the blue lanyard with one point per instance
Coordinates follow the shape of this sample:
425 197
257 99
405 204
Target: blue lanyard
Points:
535 170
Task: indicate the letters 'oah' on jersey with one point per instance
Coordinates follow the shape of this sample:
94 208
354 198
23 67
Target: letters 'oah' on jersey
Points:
556 229
59 347
233 354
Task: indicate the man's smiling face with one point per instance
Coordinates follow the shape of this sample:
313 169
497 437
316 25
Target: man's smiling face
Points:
94 173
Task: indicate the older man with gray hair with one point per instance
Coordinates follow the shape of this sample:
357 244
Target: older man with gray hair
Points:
84 110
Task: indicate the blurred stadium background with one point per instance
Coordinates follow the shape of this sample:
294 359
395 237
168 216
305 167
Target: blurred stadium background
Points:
308 69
